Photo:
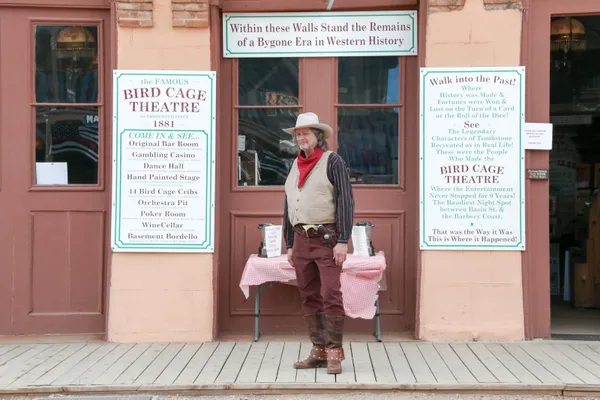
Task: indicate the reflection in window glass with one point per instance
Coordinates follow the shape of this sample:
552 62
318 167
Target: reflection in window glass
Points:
69 135
265 152
268 81
368 142
66 64
368 80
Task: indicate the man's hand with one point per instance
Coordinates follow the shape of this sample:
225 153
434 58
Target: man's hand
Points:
290 252
339 253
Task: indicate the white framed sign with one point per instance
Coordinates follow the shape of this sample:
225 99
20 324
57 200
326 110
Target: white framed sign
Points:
320 34
163 161
472 158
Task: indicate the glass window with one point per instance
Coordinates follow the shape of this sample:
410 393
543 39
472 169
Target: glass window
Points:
268 81
268 103
368 142
369 80
66 64
69 135
368 132
67 105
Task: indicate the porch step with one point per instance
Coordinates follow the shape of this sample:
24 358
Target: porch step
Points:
550 367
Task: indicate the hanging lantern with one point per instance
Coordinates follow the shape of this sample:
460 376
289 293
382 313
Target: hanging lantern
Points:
567 34
75 42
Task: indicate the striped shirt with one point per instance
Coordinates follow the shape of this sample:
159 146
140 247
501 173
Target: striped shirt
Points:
339 176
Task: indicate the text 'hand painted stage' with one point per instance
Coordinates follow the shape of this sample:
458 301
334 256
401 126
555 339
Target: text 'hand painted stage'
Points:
163 161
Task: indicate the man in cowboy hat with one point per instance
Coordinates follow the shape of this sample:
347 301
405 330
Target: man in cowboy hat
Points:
318 218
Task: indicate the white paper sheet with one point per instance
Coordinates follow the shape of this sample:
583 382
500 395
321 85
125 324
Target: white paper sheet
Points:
51 173
273 236
538 136
359 241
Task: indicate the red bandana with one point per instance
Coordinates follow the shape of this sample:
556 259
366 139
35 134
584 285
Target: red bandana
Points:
305 165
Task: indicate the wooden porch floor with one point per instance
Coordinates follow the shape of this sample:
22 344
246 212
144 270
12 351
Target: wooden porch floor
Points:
48 366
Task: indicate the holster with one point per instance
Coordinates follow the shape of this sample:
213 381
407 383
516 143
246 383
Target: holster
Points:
331 235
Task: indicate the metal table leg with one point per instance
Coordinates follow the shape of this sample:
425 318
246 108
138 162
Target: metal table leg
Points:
377 321
257 312
259 290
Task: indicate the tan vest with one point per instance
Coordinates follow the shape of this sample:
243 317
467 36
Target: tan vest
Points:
314 203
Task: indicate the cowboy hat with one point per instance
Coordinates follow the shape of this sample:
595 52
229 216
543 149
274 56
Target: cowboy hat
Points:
310 120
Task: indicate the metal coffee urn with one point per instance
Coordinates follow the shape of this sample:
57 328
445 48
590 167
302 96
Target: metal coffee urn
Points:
262 250
368 229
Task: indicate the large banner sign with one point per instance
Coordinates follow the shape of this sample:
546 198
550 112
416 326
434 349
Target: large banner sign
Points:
320 34
163 161
472 159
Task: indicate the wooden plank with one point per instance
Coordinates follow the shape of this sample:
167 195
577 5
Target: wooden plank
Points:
587 351
594 347
215 363
67 365
192 371
135 369
178 364
438 367
29 353
518 370
100 367
530 363
78 370
5 348
455 365
47 365
287 372
306 375
12 353
479 371
124 362
492 363
417 363
534 350
156 367
234 363
15 369
381 363
251 365
363 369
399 363
348 374
270 363
556 353
323 377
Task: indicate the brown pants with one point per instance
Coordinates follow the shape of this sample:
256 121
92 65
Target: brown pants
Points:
318 277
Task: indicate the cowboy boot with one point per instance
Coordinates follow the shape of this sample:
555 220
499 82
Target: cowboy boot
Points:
316 330
334 350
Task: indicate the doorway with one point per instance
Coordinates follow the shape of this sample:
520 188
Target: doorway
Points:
54 184
575 176
371 103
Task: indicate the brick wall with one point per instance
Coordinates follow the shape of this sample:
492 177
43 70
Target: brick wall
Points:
184 13
190 13
135 13
449 5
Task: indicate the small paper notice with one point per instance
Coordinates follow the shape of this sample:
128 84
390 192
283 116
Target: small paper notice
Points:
273 240
51 173
538 136
241 143
359 241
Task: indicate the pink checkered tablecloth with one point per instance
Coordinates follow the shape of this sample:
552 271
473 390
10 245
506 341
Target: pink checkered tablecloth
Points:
360 279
